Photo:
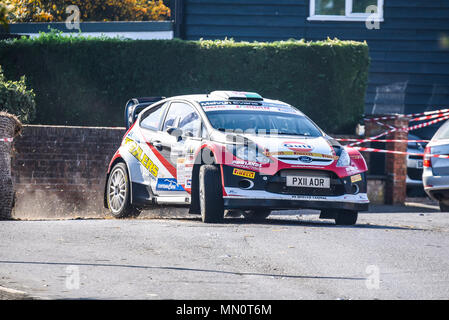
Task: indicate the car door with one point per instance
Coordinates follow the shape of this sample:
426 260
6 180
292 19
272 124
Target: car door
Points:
150 125
179 134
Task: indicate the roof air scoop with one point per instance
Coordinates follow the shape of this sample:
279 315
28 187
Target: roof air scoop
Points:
237 95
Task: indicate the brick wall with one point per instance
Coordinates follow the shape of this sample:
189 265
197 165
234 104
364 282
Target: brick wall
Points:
395 164
60 171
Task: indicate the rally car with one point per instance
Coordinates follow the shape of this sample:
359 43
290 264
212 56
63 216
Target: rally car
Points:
234 152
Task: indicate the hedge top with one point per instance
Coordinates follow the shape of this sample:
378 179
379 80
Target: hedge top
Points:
72 76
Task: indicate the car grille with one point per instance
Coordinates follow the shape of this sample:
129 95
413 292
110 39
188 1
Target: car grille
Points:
414 174
277 184
415 157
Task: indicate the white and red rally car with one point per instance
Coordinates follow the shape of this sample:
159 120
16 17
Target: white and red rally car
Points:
232 151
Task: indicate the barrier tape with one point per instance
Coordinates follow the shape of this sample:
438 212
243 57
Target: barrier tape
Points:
402 152
6 139
422 125
385 125
375 137
430 117
377 140
415 127
409 115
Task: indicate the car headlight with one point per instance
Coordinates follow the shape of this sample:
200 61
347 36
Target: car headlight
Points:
343 160
248 153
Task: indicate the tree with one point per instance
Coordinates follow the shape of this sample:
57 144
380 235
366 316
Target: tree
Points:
90 10
4 16
16 99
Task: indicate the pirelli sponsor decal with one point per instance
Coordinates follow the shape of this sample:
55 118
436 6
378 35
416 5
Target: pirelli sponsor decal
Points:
244 173
141 156
356 178
299 153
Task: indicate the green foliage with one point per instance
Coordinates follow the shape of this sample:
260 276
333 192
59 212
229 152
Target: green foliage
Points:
16 99
86 81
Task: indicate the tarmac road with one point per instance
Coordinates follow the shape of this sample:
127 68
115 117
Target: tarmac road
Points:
388 255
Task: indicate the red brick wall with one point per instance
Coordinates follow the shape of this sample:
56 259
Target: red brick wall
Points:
60 171
395 164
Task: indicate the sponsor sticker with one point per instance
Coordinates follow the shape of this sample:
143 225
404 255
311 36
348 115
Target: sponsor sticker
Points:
168 184
356 178
298 146
180 170
298 153
141 156
244 173
244 163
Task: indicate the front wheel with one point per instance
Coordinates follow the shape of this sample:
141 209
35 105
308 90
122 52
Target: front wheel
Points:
118 193
211 194
346 217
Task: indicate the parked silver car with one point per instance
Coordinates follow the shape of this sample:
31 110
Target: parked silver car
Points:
415 162
436 170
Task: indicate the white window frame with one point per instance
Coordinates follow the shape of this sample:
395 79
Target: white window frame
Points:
349 15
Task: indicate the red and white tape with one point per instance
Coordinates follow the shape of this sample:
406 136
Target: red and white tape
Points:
442 156
422 125
410 115
377 140
415 127
6 139
376 137
429 117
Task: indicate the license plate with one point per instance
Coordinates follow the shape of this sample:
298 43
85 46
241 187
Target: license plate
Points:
308 182
419 164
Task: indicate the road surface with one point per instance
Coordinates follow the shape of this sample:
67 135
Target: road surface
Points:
387 255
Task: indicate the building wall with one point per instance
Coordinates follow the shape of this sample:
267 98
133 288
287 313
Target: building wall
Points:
137 30
409 65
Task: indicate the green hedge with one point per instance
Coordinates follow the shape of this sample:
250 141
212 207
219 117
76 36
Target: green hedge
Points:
16 99
86 81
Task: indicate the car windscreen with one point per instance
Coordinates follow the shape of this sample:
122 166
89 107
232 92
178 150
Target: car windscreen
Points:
263 122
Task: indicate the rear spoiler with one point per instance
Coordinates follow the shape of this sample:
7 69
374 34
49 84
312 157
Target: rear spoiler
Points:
135 105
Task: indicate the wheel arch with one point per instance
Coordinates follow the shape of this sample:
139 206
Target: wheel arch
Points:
116 159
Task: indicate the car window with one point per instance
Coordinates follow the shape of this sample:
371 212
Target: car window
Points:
263 122
151 119
443 132
184 117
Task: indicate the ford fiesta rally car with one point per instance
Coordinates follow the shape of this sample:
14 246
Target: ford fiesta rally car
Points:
234 151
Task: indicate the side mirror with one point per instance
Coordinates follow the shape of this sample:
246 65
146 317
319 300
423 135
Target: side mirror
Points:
175 132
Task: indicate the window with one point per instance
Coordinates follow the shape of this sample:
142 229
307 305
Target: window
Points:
345 10
152 118
184 117
263 122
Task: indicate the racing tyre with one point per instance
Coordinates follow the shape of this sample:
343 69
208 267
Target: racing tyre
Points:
211 194
444 207
118 193
346 217
256 215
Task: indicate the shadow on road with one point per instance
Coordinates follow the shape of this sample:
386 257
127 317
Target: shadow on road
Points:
302 223
180 269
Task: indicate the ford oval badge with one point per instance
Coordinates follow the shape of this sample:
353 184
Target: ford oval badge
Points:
305 159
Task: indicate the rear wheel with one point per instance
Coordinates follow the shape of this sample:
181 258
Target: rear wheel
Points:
211 194
256 215
444 207
118 193
346 217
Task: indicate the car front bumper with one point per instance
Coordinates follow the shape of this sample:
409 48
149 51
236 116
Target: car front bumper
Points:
271 192
262 199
